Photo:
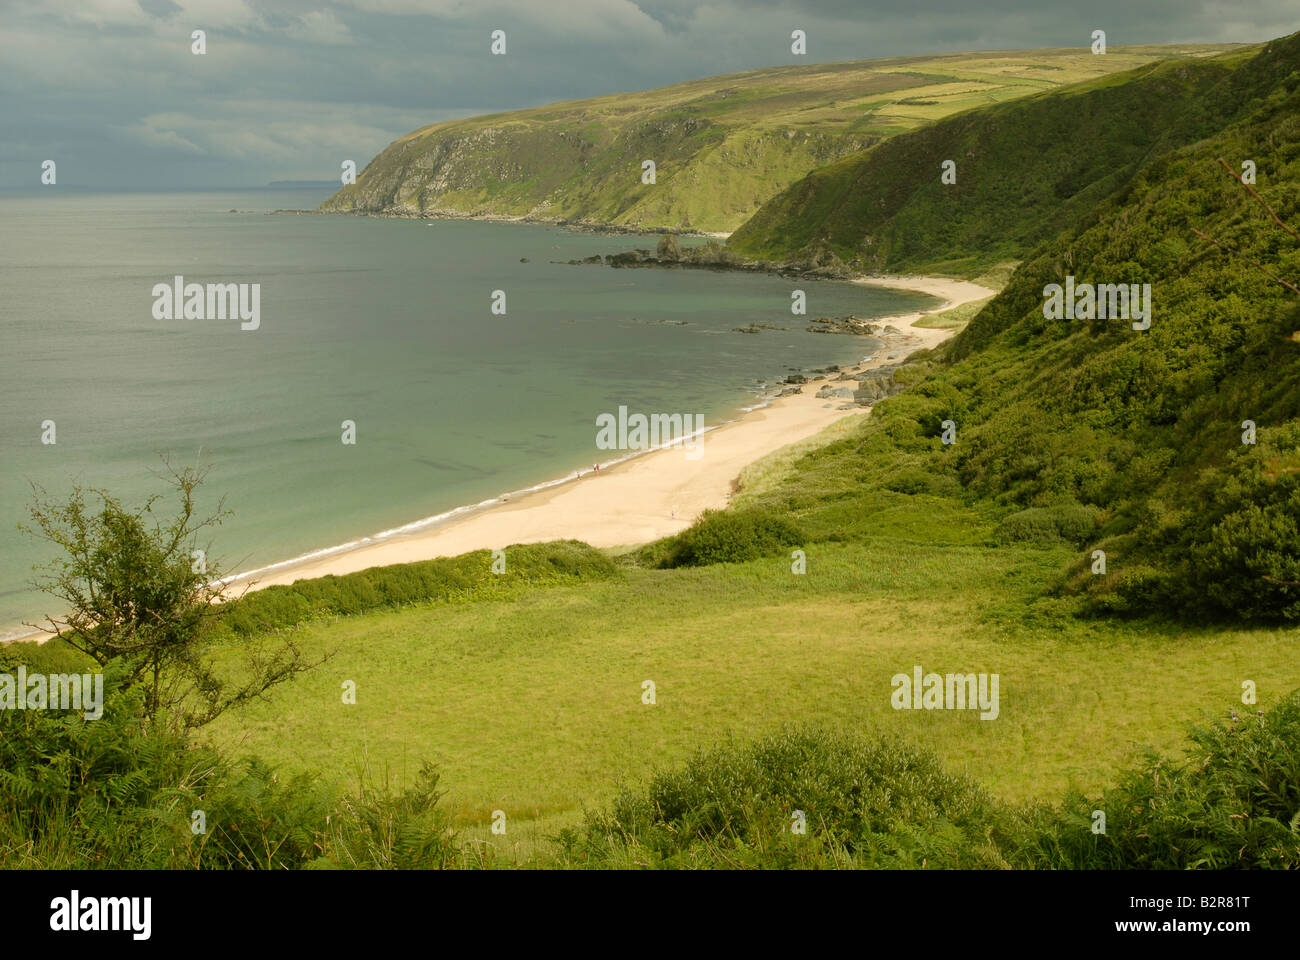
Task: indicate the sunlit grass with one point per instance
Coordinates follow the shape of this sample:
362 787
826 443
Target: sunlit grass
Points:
534 706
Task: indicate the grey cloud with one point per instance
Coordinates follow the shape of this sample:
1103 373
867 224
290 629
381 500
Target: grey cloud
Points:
288 84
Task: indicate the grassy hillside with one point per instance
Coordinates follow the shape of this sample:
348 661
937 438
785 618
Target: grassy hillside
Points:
721 145
1024 172
542 743
1127 441
533 703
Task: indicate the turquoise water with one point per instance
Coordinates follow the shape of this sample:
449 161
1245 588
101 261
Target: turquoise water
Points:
383 322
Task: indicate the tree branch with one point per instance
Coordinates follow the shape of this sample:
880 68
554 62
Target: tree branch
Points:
1237 253
1233 173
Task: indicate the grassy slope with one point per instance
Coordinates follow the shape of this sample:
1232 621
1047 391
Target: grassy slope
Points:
532 704
1025 171
1147 426
1139 430
722 145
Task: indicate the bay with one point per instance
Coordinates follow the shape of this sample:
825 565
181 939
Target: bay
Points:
383 322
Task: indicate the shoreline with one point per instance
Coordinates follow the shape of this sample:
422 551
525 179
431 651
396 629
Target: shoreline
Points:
595 228
638 496
644 495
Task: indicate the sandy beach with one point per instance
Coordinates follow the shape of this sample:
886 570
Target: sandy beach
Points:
653 495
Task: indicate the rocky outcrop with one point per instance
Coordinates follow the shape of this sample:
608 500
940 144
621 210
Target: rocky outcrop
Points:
876 385
713 255
851 326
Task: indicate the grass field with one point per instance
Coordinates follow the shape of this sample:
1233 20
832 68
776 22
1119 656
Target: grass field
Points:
533 704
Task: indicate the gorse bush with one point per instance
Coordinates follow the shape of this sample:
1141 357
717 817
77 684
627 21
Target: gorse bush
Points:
1072 522
728 536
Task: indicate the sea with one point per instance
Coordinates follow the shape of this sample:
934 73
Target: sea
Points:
386 324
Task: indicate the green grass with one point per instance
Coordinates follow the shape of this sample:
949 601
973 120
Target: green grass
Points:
533 705
953 319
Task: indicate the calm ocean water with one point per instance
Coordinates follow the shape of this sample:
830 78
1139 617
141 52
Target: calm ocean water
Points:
383 322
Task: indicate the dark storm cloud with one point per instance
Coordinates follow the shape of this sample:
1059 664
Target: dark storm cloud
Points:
288 88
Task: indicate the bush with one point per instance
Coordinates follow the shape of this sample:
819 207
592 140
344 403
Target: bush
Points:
116 793
865 803
910 482
1072 522
257 820
78 794
51 656
1242 550
730 536
447 578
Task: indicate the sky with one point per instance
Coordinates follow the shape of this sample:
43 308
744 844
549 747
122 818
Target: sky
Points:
287 89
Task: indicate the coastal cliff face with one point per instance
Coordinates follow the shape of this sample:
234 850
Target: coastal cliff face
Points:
591 175
721 147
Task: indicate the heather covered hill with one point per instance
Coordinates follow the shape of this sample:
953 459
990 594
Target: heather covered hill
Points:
721 145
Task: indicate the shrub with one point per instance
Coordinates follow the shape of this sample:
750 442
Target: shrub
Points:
77 793
1072 522
51 656
446 578
910 482
118 793
731 536
865 803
